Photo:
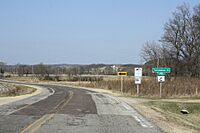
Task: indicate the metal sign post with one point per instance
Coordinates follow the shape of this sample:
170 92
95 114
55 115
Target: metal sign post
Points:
160 89
138 89
122 81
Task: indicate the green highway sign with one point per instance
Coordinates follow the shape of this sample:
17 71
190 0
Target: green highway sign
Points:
161 71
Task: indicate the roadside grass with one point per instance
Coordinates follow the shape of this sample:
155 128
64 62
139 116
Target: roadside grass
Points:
179 87
17 90
182 88
171 110
172 88
182 98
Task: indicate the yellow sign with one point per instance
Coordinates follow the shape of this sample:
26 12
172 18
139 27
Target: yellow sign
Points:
122 74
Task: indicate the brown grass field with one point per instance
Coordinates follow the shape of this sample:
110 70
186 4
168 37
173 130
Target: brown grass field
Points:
179 87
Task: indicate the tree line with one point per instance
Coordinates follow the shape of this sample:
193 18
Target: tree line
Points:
47 70
44 70
179 46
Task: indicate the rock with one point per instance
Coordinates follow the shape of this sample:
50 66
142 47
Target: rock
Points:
184 111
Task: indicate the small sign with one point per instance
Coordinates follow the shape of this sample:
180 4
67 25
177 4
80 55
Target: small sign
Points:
161 78
138 72
161 73
138 80
122 74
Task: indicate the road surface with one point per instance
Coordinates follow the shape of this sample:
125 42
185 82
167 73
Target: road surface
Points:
70 110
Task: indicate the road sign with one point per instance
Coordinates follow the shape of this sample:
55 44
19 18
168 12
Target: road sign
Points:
138 80
161 71
161 78
138 72
164 69
122 74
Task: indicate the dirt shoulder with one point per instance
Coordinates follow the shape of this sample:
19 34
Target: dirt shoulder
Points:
168 121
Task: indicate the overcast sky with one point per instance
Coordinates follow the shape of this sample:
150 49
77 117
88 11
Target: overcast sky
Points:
80 31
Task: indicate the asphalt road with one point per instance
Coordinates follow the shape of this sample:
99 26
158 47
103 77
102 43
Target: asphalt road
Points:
70 110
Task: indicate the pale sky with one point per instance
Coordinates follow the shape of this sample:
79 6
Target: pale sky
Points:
81 31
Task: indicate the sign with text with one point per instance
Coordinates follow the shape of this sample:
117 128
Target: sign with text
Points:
161 71
138 72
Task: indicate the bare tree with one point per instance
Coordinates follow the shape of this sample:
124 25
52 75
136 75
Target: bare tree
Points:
180 48
179 39
41 70
2 68
151 51
196 21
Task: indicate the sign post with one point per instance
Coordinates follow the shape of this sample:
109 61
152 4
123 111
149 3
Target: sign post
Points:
138 79
138 89
161 72
122 84
122 74
160 89
161 79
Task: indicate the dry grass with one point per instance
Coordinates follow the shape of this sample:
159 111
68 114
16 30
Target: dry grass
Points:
18 90
172 87
171 110
23 79
179 87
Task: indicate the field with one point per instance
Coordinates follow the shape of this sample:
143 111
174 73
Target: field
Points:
173 88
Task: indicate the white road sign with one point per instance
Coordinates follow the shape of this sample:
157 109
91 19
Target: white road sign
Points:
161 78
138 72
138 80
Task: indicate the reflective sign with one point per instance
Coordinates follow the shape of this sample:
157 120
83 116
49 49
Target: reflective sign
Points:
138 72
138 80
161 71
122 74
161 78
